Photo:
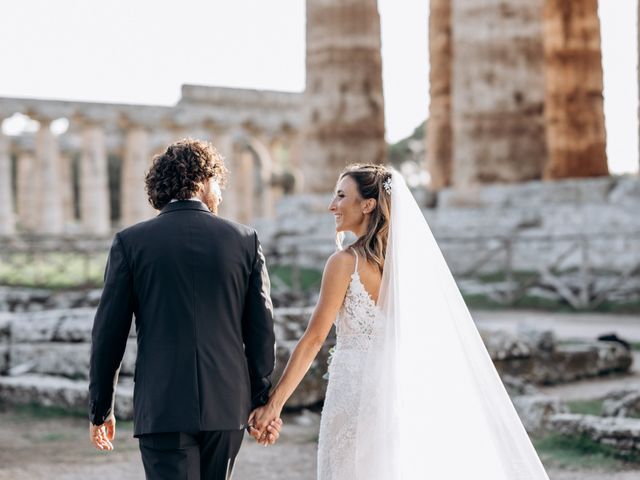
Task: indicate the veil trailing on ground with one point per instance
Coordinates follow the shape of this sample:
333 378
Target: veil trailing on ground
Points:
432 404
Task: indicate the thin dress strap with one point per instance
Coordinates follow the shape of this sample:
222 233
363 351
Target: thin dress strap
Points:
356 254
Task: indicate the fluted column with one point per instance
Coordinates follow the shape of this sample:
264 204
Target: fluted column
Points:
295 159
343 111
95 211
66 186
574 107
438 129
225 145
7 214
50 208
265 207
245 186
28 191
135 206
277 169
497 92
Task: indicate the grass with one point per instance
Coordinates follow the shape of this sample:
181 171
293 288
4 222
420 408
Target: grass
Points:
582 452
67 270
53 270
529 302
586 407
36 411
33 411
308 278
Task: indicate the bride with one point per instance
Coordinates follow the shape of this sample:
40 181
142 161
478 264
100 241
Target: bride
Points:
412 392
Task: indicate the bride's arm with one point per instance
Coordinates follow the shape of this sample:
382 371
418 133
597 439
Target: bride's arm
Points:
335 280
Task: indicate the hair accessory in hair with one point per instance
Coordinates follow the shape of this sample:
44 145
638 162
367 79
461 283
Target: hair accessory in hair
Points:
387 185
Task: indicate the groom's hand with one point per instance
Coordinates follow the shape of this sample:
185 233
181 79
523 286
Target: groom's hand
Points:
101 436
266 432
270 434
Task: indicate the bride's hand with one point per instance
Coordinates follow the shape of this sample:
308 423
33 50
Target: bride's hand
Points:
265 423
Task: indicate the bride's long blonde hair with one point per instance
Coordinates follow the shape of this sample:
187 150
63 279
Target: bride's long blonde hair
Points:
370 179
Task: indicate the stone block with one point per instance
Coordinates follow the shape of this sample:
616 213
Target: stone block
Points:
54 391
69 360
624 403
517 386
566 363
623 434
502 345
35 326
535 411
544 340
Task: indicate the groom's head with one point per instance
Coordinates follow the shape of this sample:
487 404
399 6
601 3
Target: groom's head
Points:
188 168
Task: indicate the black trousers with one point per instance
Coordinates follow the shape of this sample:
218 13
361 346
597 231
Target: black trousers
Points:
186 456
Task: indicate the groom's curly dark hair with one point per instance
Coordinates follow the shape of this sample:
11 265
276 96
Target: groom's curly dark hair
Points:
177 172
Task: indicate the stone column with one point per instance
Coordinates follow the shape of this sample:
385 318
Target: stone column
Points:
66 184
497 92
265 150
277 169
295 143
28 191
7 214
574 107
245 186
50 208
343 104
135 206
95 211
438 128
224 143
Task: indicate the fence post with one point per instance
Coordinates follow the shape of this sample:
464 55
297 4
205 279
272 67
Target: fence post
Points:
585 270
508 265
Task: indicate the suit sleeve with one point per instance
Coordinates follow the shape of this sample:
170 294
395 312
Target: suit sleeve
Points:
257 329
111 327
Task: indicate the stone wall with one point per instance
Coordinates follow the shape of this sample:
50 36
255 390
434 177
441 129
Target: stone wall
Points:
44 358
541 220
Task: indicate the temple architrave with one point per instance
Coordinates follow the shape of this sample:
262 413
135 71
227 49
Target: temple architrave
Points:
256 131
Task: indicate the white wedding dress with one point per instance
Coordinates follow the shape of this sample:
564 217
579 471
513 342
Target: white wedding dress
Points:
355 324
413 393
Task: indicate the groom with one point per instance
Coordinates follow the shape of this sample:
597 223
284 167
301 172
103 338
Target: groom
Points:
199 290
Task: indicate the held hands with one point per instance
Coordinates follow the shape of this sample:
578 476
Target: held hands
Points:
101 436
265 424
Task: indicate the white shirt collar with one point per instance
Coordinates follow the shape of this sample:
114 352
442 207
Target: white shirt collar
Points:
192 199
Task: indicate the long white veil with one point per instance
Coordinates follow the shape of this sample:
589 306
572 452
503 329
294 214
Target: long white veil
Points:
432 404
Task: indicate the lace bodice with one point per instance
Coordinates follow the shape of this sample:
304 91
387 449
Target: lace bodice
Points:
357 316
355 325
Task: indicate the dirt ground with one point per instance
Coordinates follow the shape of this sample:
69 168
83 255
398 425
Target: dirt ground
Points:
58 448
33 448
37 445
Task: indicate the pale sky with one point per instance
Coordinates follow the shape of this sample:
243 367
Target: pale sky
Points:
141 51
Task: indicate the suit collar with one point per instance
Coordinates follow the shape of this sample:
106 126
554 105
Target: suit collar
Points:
184 205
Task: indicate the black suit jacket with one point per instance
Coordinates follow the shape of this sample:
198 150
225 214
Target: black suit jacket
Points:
198 287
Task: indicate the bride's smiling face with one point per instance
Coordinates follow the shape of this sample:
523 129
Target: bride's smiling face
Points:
351 211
